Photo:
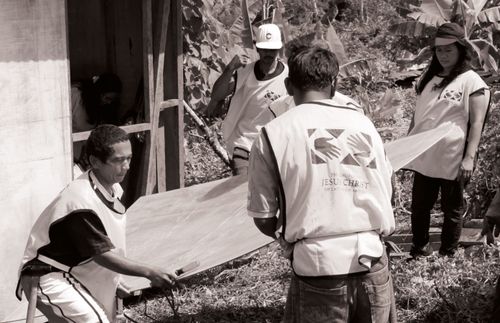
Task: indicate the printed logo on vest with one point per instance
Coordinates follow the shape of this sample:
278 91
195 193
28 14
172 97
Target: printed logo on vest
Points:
270 97
453 95
351 149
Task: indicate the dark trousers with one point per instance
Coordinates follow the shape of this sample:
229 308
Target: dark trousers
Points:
424 195
366 297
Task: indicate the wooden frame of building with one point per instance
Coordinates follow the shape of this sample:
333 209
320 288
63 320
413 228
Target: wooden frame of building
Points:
45 44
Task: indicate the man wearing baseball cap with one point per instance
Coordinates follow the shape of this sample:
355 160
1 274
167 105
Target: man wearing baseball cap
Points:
254 87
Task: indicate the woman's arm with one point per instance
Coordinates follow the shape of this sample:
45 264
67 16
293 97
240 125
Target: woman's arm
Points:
478 106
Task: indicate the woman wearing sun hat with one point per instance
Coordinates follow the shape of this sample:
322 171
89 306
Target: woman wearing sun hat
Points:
447 91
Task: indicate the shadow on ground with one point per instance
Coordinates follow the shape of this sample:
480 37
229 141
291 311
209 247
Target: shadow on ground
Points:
221 315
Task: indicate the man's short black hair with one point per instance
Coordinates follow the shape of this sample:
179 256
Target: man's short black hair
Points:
102 138
312 68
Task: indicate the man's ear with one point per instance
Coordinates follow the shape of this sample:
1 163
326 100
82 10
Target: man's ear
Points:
289 86
94 161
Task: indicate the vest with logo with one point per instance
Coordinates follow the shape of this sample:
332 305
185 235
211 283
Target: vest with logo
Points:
333 170
437 106
80 195
251 97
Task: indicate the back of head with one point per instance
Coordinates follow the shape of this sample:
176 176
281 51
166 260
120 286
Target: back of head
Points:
312 68
107 82
101 139
268 37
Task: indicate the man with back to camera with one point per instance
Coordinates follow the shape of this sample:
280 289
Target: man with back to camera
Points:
254 87
323 166
78 242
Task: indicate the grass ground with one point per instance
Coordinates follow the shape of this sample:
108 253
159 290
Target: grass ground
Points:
437 289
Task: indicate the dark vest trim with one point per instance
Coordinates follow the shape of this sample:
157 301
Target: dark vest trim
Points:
115 206
272 112
80 293
282 198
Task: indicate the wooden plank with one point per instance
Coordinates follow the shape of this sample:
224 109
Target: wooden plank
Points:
133 128
180 91
468 237
171 103
207 223
174 118
149 165
159 97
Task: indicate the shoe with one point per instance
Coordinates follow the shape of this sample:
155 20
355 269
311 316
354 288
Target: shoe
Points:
424 251
447 252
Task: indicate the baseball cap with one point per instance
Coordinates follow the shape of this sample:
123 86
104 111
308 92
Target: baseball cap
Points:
448 33
268 37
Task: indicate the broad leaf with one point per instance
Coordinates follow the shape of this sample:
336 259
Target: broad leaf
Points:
476 5
388 104
486 54
281 21
490 15
241 29
411 29
355 68
467 14
440 8
335 44
409 59
427 19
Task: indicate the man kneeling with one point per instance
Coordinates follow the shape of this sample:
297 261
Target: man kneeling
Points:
79 239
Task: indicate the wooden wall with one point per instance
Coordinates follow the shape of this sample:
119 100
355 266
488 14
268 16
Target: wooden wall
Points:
35 138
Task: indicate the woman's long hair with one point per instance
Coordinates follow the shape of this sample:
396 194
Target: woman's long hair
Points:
434 68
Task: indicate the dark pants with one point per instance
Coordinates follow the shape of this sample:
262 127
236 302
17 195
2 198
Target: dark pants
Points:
358 298
424 195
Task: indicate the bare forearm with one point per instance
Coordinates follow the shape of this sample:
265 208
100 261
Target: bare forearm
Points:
473 140
478 109
222 87
122 265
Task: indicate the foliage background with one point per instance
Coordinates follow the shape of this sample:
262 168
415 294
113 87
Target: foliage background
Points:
459 289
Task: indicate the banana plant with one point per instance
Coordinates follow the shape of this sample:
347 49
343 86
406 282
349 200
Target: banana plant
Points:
479 24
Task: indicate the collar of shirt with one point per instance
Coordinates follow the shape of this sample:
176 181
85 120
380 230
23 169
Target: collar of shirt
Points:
100 187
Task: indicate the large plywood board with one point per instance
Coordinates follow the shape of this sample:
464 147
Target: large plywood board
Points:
207 223
35 134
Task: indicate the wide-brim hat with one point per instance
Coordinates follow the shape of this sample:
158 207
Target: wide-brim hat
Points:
449 33
268 37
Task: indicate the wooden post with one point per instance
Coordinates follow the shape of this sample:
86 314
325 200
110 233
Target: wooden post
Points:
33 292
160 96
172 119
149 166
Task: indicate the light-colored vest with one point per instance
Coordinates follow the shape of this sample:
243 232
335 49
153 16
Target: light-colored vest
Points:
333 170
250 95
80 195
435 107
286 103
